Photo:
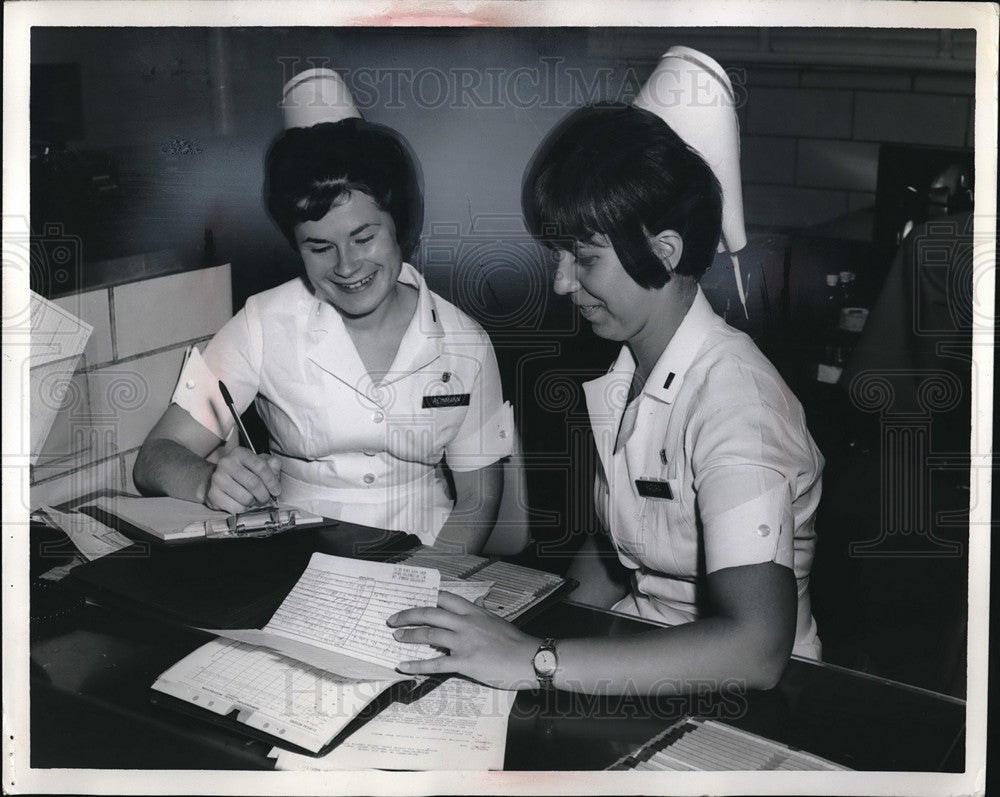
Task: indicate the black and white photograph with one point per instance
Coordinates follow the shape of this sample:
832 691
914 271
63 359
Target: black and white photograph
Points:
498 397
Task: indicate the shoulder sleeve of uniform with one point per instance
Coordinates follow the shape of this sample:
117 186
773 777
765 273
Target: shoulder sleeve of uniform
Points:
487 433
233 357
747 456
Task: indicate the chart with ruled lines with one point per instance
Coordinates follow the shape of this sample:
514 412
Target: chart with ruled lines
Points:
449 564
516 588
347 612
706 745
260 678
276 694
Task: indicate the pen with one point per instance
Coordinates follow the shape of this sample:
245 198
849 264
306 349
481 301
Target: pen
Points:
236 416
239 424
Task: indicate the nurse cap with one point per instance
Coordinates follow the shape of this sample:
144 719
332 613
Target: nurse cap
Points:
315 96
692 93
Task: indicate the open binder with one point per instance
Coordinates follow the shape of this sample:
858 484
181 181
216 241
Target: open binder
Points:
321 658
333 621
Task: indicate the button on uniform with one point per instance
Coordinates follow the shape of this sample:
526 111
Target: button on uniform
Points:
378 417
763 530
369 478
189 384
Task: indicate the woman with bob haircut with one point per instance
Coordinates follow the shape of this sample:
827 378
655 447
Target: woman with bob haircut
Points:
368 383
707 480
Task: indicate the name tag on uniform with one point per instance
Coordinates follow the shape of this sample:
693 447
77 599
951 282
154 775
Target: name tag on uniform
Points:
654 488
454 400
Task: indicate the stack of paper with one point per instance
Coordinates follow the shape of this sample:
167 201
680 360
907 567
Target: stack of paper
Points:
707 745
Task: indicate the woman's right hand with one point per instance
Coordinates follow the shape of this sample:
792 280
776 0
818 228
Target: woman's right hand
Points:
242 480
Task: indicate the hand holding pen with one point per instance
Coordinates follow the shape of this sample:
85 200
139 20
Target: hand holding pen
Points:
243 478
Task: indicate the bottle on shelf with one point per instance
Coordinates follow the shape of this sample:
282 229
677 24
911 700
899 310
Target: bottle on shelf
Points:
831 359
832 303
848 289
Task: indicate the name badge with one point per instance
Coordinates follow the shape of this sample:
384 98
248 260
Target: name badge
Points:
653 488
454 400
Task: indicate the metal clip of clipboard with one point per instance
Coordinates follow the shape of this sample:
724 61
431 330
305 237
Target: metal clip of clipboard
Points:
254 523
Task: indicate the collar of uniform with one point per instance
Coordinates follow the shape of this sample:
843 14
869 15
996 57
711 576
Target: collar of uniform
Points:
427 312
668 373
423 341
331 348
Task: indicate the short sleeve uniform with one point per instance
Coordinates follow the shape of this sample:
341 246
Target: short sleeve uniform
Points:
350 448
710 466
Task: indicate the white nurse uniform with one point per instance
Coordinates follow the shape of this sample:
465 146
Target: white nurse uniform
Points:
710 466
351 448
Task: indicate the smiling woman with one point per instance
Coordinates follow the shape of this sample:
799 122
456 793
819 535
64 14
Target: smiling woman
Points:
351 256
373 389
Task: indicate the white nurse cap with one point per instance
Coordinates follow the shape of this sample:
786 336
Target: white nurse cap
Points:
693 94
315 96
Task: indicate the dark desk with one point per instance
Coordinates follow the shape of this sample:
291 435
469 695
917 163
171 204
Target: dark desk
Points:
92 669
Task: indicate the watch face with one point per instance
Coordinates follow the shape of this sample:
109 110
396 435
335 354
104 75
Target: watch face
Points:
545 662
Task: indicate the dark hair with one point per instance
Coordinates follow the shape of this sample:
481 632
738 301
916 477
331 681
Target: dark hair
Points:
620 171
310 168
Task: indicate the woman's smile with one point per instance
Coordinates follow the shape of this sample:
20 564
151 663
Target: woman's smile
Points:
588 310
357 286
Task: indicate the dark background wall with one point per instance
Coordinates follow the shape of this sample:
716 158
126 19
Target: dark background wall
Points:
184 115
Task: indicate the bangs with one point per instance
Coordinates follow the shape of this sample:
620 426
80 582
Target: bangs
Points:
325 194
573 207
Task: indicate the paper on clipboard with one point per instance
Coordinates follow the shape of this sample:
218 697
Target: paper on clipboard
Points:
173 519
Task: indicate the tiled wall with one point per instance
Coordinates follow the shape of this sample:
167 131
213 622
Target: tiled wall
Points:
125 378
811 136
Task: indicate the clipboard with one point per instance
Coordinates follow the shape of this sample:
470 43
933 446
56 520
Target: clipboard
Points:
263 522
149 520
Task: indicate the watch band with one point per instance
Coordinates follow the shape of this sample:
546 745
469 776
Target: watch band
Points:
546 675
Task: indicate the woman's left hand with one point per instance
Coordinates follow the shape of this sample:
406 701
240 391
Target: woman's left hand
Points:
481 645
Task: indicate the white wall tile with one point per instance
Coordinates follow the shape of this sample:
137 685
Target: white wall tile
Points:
130 397
92 307
58 401
103 476
69 443
154 313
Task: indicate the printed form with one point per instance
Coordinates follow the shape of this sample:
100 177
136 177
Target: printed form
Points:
459 724
92 538
300 704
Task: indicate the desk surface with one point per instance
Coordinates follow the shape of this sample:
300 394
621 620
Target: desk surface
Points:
92 669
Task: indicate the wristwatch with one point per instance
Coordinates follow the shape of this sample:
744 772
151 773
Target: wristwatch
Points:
545 663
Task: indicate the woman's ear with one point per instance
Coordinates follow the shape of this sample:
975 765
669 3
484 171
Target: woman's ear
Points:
668 246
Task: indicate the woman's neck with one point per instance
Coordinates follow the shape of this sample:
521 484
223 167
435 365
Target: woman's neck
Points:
649 344
389 313
377 339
